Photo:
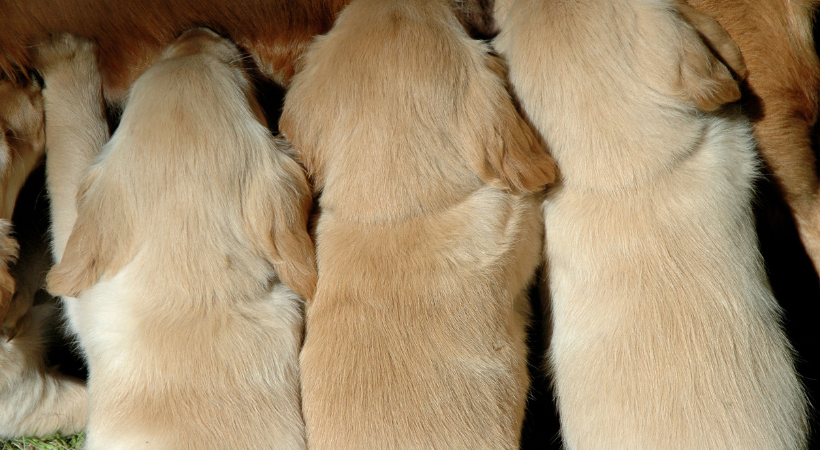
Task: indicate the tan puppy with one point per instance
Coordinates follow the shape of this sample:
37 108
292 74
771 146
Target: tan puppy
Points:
415 338
776 39
22 146
665 332
184 229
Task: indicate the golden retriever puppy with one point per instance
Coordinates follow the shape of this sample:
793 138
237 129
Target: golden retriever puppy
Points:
665 332
190 233
22 147
426 240
776 39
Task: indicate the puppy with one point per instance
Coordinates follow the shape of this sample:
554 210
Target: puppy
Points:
784 79
426 239
665 332
22 147
190 233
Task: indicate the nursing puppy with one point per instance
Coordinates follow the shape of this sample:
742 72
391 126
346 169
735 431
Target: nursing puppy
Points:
426 242
184 229
665 332
776 39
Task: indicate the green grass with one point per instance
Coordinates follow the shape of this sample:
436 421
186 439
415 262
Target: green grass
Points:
72 442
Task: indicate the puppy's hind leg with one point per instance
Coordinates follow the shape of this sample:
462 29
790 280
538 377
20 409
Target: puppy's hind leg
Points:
76 126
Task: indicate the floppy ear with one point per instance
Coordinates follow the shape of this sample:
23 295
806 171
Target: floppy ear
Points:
508 155
99 242
279 201
705 78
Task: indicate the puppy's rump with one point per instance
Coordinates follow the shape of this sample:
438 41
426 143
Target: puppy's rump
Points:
417 328
185 227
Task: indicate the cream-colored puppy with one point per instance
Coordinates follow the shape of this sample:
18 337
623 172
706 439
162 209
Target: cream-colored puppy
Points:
34 400
665 332
189 231
425 242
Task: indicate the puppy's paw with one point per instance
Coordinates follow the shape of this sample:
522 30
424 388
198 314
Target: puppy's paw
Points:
65 55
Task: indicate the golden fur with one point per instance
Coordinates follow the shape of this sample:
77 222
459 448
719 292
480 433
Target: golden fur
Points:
665 332
131 34
184 228
776 39
426 237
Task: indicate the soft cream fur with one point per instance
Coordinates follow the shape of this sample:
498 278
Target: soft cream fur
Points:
665 332
416 335
184 229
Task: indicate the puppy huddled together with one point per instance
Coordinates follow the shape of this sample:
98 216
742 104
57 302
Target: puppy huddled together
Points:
363 280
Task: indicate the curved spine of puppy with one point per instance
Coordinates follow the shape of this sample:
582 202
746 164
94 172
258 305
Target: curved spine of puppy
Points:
33 400
184 228
416 335
777 42
665 332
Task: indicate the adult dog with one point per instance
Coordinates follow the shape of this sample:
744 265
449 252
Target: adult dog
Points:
665 332
784 82
426 240
184 229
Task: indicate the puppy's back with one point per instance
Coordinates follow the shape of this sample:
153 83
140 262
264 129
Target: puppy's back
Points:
185 228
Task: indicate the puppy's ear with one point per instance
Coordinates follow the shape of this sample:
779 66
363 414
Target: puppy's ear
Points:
278 208
99 242
707 56
508 155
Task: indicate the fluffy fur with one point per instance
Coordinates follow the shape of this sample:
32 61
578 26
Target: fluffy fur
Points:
665 332
426 239
184 229
776 39
22 146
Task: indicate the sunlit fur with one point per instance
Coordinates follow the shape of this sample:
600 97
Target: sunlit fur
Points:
415 338
184 228
776 39
665 332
